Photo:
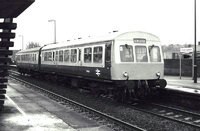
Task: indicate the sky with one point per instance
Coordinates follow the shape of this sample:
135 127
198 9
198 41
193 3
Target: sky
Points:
171 20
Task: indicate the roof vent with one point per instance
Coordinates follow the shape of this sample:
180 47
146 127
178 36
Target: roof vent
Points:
115 31
79 38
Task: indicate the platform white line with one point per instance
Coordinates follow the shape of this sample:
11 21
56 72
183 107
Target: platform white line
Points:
18 108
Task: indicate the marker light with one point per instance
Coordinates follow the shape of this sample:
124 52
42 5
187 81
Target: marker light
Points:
158 74
125 74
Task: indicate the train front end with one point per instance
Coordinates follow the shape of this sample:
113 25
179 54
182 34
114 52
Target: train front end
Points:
138 64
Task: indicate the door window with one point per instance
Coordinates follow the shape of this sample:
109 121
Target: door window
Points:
73 55
97 54
87 55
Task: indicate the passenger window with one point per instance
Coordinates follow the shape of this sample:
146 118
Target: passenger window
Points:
33 57
66 56
73 56
61 56
97 54
154 52
45 56
141 54
49 56
126 53
56 59
87 55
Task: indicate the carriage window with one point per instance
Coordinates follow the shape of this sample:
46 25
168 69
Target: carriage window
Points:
42 56
66 56
56 56
141 53
33 57
45 56
17 58
126 53
61 55
73 55
87 55
154 52
97 54
49 56
23 57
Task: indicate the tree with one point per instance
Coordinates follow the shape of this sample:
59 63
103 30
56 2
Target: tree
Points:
32 45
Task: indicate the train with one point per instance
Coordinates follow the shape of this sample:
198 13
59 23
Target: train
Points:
127 65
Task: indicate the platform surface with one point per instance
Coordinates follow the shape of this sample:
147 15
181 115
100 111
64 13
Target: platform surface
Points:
24 109
185 84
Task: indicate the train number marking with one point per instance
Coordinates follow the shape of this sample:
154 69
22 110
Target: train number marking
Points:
98 72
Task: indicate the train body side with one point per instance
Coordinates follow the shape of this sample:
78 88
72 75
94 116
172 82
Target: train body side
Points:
79 67
27 60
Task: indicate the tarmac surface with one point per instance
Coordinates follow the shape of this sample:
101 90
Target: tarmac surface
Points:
25 110
184 84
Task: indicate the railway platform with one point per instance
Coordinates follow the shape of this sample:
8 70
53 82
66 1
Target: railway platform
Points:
185 83
25 109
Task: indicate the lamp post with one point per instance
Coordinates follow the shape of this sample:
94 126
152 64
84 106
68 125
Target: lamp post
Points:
195 60
54 29
22 41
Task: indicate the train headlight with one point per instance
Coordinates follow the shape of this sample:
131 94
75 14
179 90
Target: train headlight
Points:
125 74
158 74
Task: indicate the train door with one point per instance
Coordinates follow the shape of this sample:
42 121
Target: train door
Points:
79 56
80 61
55 60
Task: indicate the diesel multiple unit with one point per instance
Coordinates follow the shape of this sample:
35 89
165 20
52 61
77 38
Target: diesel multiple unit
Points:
127 65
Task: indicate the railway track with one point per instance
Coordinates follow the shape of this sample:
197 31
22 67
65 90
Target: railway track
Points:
174 114
66 101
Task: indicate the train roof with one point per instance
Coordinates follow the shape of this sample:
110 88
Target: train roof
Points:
29 50
109 37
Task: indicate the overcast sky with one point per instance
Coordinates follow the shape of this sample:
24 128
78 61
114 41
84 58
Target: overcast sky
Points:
171 20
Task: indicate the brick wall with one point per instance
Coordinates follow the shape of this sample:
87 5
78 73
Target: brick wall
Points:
172 67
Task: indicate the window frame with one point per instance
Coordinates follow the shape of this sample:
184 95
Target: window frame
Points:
88 53
60 56
151 53
144 57
123 56
73 55
98 53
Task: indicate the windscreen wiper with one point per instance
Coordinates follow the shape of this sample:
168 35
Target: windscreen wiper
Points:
151 49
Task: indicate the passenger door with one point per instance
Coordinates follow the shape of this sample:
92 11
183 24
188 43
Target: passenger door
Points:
55 60
80 57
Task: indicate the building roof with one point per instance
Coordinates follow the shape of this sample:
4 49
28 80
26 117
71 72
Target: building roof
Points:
13 8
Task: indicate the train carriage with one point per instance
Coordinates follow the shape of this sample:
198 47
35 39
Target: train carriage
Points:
129 63
27 60
80 60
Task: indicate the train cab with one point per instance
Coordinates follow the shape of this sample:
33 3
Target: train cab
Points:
138 56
